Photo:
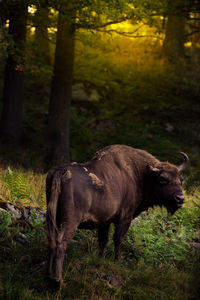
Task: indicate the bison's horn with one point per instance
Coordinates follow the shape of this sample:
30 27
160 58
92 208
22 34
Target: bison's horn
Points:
185 163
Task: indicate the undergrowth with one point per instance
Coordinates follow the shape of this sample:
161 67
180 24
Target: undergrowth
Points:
158 260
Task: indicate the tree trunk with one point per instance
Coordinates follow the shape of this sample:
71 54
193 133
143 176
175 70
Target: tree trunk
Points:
195 39
11 118
3 13
173 45
60 100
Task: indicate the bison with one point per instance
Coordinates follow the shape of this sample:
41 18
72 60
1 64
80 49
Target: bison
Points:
117 185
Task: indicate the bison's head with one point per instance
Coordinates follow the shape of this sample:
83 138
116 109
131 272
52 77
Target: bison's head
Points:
166 184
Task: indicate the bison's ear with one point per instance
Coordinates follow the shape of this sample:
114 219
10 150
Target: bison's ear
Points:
153 170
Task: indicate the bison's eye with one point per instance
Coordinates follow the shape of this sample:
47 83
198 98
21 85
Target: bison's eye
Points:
163 180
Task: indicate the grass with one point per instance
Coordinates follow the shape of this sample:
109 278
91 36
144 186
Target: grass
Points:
141 97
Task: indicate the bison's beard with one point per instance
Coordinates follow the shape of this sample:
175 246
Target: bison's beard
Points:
169 203
172 210
171 207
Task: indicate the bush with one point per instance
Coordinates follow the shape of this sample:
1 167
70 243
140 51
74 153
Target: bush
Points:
158 238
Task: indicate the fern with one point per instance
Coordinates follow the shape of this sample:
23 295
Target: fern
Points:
23 186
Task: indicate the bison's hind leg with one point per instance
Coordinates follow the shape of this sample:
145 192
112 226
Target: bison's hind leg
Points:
103 238
64 237
50 260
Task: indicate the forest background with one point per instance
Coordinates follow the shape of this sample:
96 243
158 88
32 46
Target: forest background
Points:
77 76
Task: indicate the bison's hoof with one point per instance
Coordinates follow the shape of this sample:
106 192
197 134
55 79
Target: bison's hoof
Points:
55 283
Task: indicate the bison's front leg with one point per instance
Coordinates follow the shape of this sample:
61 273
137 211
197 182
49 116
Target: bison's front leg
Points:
103 238
121 227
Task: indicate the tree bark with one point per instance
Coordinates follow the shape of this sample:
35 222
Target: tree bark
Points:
195 39
11 118
173 45
60 99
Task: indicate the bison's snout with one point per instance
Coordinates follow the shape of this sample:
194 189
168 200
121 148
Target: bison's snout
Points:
179 199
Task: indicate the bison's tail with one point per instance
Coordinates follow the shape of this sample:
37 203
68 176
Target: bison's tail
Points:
54 192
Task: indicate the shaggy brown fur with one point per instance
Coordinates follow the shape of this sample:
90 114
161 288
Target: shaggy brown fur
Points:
114 187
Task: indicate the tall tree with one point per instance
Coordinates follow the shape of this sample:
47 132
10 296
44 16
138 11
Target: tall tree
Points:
173 45
59 107
11 117
72 15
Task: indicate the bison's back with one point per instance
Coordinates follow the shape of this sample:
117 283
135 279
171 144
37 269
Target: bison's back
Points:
125 159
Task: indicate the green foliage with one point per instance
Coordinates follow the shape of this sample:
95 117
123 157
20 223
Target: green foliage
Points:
36 66
159 239
21 248
22 186
5 222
